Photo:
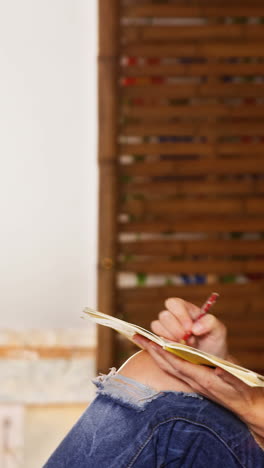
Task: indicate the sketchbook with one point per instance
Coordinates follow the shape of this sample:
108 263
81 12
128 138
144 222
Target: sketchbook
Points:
183 351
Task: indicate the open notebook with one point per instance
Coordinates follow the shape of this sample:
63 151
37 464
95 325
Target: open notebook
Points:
184 351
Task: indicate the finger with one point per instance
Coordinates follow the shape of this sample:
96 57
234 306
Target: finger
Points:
158 328
184 311
170 324
184 367
161 361
201 379
140 340
231 380
192 341
175 366
209 324
203 376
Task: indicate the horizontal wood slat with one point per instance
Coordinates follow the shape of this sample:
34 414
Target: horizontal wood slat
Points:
198 111
223 49
154 190
206 149
229 309
192 11
210 224
182 90
195 168
250 359
202 121
194 266
144 34
213 247
170 148
229 294
144 314
174 208
190 70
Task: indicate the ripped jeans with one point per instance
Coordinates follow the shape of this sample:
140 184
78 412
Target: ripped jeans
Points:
131 425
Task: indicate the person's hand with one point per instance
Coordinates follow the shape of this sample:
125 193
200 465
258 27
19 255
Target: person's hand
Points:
216 384
179 318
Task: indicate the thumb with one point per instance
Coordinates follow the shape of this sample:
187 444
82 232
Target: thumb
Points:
208 324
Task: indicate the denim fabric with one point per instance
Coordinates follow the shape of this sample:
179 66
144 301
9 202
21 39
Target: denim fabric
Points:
131 425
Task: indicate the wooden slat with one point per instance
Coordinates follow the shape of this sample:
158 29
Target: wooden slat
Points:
246 48
182 90
194 266
249 343
246 326
145 34
227 308
192 111
173 208
143 314
230 295
197 167
155 190
206 149
254 206
149 10
202 116
252 360
190 70
202 224
168 148
213 247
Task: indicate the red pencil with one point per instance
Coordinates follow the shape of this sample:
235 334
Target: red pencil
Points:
204 309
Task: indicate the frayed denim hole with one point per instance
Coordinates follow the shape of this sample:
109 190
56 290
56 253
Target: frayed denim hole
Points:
125 391
130 393
101 379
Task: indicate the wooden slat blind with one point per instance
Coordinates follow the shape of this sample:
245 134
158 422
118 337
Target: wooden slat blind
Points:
182 164
179 10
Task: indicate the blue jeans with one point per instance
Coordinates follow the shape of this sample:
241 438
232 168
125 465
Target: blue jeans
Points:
131 425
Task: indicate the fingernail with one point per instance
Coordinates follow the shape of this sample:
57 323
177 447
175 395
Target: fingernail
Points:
197 327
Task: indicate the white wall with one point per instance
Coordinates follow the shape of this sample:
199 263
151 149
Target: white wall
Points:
48 178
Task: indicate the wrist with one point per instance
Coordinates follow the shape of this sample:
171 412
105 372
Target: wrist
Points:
259 438
256 425
254 419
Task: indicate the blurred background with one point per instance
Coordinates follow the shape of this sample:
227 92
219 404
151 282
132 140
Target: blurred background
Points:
48 206
164 180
